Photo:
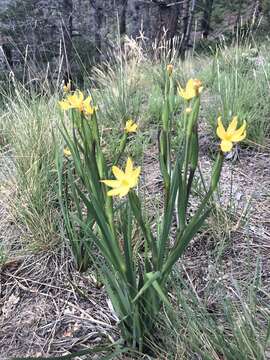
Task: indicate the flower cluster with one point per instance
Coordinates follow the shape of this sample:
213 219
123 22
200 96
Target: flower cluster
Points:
78 102
126 180
228 137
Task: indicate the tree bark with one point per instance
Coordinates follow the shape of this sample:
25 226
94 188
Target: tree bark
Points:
122 10
187 20
97 5
206 19
168 16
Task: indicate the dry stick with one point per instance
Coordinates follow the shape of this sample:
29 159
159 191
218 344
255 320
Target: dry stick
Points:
94 321
37 282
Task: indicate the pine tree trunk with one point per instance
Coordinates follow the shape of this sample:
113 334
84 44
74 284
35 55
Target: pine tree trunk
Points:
157 19
187 21
98 9
121 10
206 19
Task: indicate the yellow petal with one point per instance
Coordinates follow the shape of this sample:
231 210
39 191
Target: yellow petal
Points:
87 108
221 133
241 137
190 85
193 89
181 92
190 89
129 123
76 100
137 171
79 95
121 191
135 176
129 166
239 133
118 173
124 190
226 146
73 101
233 125
88 99
114 192
130 126
111 183
64 105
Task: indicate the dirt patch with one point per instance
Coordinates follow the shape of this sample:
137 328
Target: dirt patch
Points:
47 308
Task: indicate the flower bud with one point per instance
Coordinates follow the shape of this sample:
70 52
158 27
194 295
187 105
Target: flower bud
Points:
169 69
197 86
67 152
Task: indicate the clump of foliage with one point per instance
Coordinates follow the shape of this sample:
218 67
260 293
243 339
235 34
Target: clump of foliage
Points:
138 262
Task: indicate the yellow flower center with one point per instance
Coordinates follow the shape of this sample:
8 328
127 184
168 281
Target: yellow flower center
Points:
125 182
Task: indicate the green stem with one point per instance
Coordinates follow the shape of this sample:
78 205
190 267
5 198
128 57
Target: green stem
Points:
122 146
184 237
137 211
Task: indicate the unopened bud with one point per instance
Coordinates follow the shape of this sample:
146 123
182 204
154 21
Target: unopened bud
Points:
67 87
67 152
197 86
170 69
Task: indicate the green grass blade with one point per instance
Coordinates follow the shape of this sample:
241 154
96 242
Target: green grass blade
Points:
151 277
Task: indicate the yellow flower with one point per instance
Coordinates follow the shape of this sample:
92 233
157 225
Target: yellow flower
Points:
193 89
67 87
231 135
130 126
64 105
170 69
124 180
77 101
67 152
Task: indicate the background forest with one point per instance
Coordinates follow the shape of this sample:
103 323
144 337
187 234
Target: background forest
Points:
73 32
